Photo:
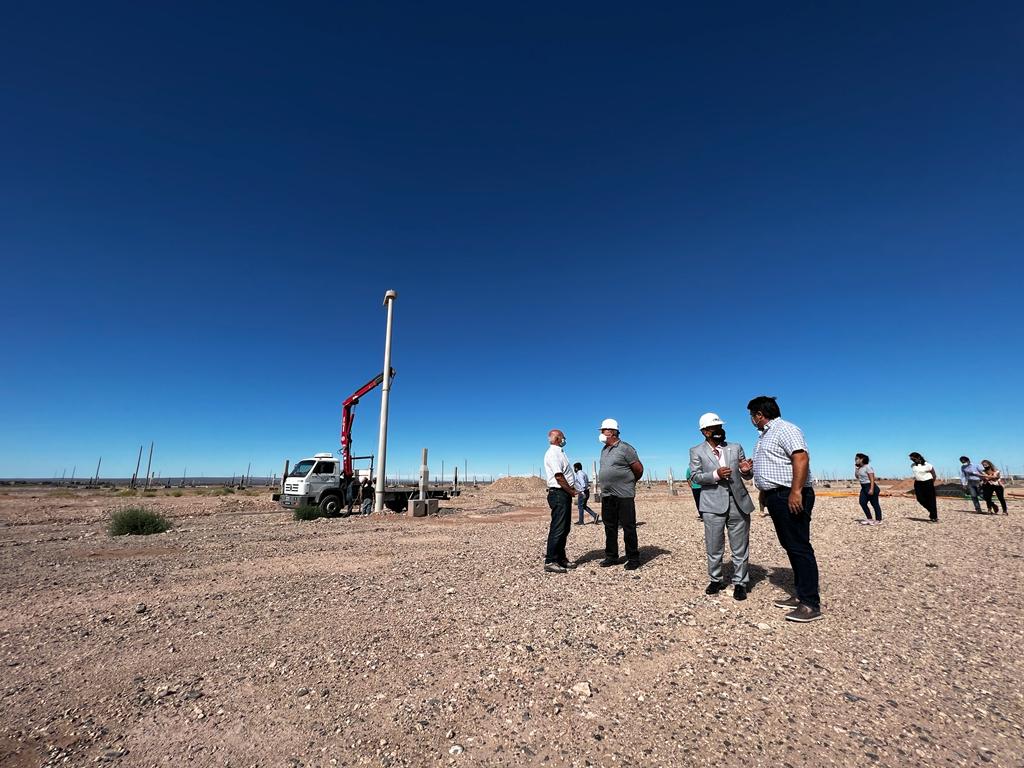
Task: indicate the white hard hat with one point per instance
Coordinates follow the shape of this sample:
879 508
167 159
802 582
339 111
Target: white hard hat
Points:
609 424
710 420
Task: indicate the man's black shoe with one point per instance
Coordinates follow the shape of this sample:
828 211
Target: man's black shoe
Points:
610 561
567 564
632 565
714 588
739 592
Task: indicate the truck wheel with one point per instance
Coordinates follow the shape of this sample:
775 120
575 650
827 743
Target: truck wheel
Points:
330 505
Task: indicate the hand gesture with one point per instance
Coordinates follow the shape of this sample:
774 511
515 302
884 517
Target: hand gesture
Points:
725 472
747 466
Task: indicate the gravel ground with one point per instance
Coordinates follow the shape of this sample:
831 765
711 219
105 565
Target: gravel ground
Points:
244 638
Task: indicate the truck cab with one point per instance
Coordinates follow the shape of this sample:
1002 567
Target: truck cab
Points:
311 479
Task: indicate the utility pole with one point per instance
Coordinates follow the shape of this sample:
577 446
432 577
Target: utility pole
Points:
149 463
286 463
248 474
671 483
382 441
138 463
424 476
593 482
442 471
96 479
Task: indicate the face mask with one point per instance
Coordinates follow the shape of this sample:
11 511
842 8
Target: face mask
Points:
602 438
563 442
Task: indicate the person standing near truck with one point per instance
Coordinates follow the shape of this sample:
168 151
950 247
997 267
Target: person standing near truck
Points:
620 469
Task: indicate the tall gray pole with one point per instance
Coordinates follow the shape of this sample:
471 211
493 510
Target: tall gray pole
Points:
96 480
149 463
285 475
424 476
138 463
382 441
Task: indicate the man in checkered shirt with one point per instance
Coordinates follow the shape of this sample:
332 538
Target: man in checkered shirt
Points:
782 472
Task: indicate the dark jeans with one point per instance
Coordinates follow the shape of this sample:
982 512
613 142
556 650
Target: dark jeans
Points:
561 513
924 492
617 511
971 489
987 491
696 500
794 532
866 497
582 506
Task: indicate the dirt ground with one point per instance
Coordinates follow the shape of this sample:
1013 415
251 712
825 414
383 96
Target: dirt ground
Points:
244 638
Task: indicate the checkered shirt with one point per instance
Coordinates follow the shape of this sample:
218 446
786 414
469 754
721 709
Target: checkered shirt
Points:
773 463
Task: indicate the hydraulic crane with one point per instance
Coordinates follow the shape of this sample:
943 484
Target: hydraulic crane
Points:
348 416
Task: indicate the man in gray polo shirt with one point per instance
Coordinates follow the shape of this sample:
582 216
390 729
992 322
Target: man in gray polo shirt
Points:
620 469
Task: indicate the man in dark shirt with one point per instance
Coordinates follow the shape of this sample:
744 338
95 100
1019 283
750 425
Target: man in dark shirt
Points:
620 469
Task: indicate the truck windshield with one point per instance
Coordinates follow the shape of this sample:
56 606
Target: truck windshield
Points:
302 468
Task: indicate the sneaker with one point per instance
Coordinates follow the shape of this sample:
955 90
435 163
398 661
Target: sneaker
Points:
568 565
786 602
714 588
554 568
579 523
865 522
610 561
739 592
876 522
804 614
632 565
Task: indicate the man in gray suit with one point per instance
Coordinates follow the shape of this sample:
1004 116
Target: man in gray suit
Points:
720 468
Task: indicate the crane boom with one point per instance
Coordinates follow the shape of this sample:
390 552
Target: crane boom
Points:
348 416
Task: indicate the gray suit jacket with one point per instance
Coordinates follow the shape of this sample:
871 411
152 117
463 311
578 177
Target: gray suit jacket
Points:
714 493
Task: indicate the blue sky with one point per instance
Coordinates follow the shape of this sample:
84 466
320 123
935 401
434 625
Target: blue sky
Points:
642 212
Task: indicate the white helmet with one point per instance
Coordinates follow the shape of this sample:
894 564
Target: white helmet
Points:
710 420
610 424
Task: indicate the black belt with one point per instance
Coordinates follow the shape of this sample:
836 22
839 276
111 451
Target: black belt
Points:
557 489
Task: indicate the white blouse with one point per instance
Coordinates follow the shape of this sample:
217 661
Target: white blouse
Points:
922 471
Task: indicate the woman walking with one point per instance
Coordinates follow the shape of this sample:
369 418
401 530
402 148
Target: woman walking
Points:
868 488
924 485
992 482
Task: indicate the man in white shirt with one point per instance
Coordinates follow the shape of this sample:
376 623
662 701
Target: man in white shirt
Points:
560 477
582 484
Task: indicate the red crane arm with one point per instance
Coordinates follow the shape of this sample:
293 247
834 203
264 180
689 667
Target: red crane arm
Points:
348 416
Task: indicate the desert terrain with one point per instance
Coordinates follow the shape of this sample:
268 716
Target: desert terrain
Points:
242 637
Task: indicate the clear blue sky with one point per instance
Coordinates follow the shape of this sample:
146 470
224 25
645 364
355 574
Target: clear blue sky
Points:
638 211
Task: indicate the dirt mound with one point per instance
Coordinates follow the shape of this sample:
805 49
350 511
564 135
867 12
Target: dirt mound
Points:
516 485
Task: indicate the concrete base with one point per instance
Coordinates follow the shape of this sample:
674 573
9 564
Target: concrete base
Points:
424 507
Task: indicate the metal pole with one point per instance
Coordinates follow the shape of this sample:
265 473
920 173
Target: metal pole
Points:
149 463
593 482
423 476
284 475
138 463
96 480
382 441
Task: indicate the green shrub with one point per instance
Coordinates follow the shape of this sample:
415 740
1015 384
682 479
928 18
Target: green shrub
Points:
308 512
137 521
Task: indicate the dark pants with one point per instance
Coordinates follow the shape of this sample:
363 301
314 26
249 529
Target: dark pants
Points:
582 506
924 492
696 500
794 532
866 497
971 489
616 512
561 514
987 490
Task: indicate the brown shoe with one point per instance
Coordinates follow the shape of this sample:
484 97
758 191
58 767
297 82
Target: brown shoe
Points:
804 614
790 603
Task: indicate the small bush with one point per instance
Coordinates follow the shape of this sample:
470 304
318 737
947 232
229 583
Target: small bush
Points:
127 492
137 521
177 493
308 512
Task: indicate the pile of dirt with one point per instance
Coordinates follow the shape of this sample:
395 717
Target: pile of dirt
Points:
516 485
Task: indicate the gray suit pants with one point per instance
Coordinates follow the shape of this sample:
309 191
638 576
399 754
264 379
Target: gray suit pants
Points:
739 542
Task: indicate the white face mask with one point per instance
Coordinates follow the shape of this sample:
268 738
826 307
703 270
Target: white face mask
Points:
602 438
